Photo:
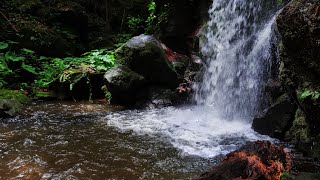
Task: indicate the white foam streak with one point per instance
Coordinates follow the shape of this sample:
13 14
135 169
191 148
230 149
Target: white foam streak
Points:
193 130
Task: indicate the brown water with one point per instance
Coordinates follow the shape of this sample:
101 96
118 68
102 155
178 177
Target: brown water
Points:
70 141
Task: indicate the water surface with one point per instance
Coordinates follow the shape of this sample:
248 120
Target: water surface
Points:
74 141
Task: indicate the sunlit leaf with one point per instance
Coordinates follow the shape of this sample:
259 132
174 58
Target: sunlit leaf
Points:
4 45
28 51
29 68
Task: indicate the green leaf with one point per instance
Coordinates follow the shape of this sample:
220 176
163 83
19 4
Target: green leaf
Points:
41 58
13 57
3 66
306 94
4 45
29 68
28 51
12 42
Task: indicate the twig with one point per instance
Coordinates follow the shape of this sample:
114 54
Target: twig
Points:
9 21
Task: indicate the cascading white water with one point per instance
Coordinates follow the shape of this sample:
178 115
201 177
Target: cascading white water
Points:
237 51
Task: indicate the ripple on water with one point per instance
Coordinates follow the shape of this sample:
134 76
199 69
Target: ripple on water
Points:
53 143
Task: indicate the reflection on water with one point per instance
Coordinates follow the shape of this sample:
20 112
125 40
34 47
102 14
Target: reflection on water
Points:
70 141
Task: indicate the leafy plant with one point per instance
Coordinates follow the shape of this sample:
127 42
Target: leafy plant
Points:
309 93
12 64
152 15
135 24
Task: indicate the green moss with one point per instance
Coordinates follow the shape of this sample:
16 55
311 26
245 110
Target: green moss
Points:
40 94
11 102
13 95
299 131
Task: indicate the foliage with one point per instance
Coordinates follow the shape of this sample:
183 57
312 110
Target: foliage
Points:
314 95
62 69
284 175
44 70
13 64
120 39
135 24
152 15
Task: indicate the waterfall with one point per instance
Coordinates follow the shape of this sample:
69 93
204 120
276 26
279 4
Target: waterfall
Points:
237 49
237 53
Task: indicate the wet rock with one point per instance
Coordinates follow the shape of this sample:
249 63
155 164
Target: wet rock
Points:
11 103
256 160
298 26
275 120
124 85
302 163
180 62
158 97
145 56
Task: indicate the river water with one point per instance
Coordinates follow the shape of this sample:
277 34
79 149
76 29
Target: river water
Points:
68 140
61 140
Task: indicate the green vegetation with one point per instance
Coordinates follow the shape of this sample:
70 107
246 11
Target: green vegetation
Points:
138 24
42 71
307 93
152 11
16 95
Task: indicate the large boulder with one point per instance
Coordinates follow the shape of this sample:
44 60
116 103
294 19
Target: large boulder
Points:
298 27
256 160
277 119
124 85
145 55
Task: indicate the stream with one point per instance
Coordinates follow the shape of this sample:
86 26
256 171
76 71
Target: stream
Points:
68 140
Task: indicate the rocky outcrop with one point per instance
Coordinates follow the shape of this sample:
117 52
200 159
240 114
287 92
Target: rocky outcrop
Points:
277 119
256 160
298 26
145 55
124 84
11 103
177 22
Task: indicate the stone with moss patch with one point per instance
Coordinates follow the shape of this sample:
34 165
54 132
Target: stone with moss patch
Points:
145 55
11 102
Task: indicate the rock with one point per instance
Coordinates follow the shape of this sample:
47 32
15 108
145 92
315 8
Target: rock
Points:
274 89
180 62
124 85
11 103
159 97
79 84
298 27
177 22
144 55
305 164
256 160
275 120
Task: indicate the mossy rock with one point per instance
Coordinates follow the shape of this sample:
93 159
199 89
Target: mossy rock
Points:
124 84
144 55
11 102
